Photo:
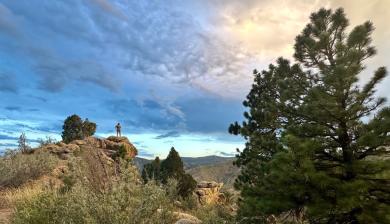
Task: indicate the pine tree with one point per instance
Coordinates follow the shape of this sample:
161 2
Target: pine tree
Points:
172 166
317 142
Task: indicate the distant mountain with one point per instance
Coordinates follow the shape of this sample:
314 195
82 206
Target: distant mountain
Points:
189 162
192 162
207 168
224 172
140 162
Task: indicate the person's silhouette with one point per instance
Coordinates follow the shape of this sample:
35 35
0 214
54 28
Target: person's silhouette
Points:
118 130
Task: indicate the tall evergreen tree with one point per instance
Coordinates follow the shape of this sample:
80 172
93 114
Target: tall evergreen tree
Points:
172 166
317 142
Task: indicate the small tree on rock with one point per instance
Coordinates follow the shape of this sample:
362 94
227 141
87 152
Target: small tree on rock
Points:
75 128
89 128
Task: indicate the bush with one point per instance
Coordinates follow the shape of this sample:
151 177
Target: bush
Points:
89 128
17 168
214 214
126 201
47 141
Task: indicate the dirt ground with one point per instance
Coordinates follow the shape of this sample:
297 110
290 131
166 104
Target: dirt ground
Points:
5 215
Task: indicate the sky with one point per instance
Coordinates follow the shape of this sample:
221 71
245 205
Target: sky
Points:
173 73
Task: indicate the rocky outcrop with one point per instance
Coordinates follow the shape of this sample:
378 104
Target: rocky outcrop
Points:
112 147
209 192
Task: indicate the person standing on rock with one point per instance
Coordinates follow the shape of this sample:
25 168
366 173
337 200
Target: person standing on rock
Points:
118 130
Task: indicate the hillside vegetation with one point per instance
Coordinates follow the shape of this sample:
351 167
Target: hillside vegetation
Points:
94 181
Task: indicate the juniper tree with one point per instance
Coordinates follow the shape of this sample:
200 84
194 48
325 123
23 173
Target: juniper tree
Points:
317 142
75 128
72 128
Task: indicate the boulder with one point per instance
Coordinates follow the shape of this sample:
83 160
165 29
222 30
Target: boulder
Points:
121 143
209 192
78 142
184 218
62 150
112 147
186 221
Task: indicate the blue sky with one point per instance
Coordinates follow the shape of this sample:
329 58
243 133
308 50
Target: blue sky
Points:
174 73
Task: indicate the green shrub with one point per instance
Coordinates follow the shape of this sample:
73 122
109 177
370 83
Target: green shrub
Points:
17 168
89 128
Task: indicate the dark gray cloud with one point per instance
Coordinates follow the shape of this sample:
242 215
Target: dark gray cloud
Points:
171 134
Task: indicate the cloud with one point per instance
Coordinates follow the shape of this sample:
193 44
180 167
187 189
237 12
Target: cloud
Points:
98 48
8 21
209 114
8 137
13 108
8 145
8 83
226 154
170 134
110 8
145 153
147 114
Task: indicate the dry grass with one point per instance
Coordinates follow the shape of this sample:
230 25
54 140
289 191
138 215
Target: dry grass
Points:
9 197
17 169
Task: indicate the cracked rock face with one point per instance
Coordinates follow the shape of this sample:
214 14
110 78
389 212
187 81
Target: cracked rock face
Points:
112 146
209 192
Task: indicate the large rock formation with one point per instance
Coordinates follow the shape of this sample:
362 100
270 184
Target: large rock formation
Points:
209 192
112 147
